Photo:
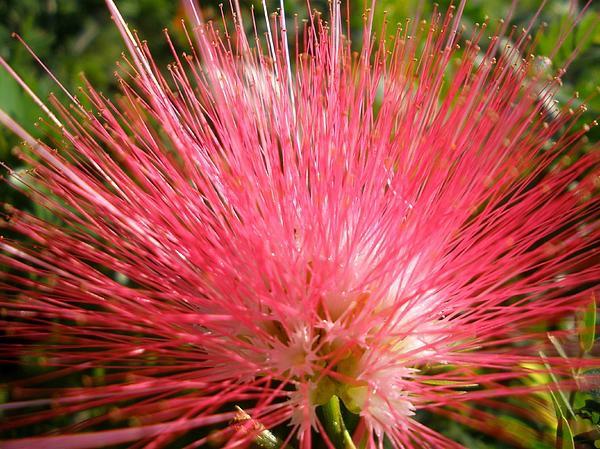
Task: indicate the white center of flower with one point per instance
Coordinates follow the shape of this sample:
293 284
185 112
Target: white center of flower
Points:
360 353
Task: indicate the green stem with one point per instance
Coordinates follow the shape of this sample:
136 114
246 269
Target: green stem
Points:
335 426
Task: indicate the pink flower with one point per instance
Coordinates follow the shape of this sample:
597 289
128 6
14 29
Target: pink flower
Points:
271 231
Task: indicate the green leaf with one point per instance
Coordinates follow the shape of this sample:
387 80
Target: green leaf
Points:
559 399
560 413
567 435
587 333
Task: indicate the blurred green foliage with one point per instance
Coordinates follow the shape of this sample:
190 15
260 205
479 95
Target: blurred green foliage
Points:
77 36
72 37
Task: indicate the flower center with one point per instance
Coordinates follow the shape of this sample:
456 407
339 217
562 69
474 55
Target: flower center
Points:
345 354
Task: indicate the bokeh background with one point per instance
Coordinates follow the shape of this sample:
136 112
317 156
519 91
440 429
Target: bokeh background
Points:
75 37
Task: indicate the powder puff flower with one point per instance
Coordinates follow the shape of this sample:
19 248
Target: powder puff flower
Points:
275 230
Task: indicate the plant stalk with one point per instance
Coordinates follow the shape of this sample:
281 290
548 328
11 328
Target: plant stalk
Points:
335 426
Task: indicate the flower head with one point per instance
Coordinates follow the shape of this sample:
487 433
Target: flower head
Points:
273 231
